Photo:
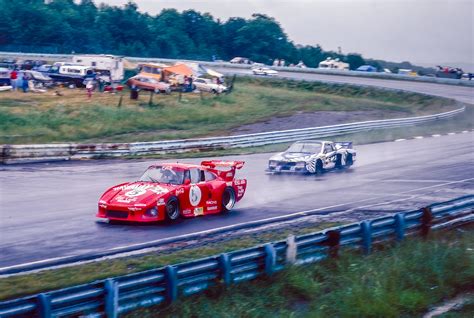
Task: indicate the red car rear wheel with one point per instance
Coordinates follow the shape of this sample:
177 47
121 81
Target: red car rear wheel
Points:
228 199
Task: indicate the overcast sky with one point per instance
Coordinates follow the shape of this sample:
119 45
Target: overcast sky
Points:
420 31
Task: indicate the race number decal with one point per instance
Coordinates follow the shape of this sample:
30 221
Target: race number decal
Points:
135 192
194 195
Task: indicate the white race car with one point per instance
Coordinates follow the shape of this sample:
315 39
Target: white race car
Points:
264 71
313 157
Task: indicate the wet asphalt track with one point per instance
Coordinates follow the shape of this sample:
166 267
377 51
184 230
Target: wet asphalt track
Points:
47 210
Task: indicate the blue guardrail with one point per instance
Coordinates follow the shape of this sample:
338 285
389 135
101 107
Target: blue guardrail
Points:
114 296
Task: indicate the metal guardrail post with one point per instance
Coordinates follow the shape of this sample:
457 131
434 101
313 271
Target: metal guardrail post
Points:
426 221
44 302
270 258
226 267
399 226
366 237
171 277
111 298
333 240
291 249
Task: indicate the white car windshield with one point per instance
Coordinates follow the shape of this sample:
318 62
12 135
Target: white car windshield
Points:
313 147
163 174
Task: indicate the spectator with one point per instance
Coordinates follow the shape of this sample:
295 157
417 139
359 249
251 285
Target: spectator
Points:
13 79
89 88
190 84
24 83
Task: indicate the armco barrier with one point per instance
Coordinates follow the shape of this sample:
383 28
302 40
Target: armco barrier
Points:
49 152
122 294
375 75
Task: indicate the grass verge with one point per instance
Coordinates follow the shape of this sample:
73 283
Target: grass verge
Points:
43 118
17 286
457 123
403 281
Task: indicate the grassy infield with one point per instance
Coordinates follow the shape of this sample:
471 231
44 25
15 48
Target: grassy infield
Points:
401 281
39 118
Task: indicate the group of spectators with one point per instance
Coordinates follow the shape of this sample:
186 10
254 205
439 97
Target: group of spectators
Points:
18 81
282 62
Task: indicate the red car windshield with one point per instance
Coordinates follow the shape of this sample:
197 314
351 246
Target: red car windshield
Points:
163 174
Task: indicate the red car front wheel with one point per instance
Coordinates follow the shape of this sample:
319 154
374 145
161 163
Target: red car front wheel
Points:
172 209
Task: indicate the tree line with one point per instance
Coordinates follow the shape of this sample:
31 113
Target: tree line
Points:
65 26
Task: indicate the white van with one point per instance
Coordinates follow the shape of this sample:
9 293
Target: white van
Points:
335 64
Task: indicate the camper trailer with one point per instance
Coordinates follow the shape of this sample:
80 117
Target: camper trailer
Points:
109 67
335 64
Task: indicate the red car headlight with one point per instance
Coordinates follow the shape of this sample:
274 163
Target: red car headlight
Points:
152 212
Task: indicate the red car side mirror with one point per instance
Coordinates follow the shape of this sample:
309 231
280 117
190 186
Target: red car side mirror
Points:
187 181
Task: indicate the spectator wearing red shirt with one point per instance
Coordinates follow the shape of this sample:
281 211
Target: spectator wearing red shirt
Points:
13 79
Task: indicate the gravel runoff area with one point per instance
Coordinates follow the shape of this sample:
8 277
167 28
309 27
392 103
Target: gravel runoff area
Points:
313 119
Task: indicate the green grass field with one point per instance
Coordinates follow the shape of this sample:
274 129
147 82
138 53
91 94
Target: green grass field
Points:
42 118
401 281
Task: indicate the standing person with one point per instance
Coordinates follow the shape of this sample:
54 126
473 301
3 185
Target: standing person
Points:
24 83
89 88
13 79
190 79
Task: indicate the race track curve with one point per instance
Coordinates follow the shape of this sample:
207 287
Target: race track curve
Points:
47 210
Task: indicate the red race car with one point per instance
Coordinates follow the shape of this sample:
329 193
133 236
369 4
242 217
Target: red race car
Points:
169 191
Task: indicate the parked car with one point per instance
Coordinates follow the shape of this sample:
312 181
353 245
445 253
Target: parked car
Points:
312 157
449 72
264 71
39 79
4 76
149 84
240 60
45 68
206 85
366 68
169 191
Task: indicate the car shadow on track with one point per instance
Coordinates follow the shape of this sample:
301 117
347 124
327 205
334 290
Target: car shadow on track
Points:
181 222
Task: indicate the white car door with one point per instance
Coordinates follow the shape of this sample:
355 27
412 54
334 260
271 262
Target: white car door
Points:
329 156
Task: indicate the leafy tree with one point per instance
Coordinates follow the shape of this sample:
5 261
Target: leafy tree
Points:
65 26
354 60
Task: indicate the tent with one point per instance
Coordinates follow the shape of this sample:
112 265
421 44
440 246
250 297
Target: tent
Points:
178 69
175 75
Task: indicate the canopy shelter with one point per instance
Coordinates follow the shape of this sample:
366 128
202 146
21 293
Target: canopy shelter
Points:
175 75
178 69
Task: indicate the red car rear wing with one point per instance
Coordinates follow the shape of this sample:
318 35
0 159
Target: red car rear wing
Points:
225 169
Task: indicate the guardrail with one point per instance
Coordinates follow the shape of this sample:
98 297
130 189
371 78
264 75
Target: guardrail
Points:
51 152
114 296
68 57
